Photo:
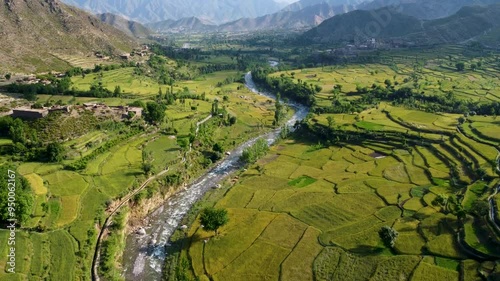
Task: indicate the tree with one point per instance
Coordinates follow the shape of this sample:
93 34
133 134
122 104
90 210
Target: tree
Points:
254 152
23 196
160 94
217 147
8 76
278 112
155 112
117 92
479 208
212 219
331 121
17 131
481 173
388 236
232 120
55 152
473 66
460 66
147 162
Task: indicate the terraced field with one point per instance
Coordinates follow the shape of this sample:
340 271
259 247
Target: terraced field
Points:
313 212
69 205
326 206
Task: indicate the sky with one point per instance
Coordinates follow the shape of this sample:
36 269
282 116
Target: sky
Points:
286 1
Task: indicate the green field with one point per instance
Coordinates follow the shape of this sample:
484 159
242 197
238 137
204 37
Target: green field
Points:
345 216
330 201
312 208
69 204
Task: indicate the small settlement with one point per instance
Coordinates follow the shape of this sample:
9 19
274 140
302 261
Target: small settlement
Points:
99 110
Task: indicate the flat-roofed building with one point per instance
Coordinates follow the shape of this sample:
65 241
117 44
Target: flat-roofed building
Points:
29 113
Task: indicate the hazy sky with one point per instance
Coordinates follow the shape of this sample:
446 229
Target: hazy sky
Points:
286 1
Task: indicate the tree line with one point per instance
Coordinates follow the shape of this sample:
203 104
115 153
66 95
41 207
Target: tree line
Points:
300 92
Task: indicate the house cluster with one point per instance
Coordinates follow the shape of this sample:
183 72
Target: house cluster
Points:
116 112
37 113
143 51
140 52
101 110
32 79
102 56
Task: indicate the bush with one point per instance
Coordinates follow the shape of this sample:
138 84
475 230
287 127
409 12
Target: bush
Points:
388 236
253 153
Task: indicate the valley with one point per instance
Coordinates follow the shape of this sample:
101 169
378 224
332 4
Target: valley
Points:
305 151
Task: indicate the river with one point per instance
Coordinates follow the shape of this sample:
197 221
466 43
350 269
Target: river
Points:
144 255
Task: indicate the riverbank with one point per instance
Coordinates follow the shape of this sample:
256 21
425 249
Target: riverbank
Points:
144 257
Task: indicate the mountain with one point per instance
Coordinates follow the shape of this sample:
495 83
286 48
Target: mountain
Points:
146 11
469 23
190 24
34 31
352 26
131 28
307 17
426 9
299 5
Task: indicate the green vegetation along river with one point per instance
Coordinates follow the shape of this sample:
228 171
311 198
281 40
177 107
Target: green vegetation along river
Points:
145 253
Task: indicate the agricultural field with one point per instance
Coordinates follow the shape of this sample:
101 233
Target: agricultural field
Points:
68 205
435 77
312 211
331 203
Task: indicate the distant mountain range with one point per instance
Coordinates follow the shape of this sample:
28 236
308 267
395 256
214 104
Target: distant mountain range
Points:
306 14
304 18
426 9
469 23
308 17
299 5
190 24
131 28
35 32
147 11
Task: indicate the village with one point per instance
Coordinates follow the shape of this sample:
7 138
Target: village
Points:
117 113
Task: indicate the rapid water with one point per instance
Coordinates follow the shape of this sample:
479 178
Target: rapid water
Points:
144 255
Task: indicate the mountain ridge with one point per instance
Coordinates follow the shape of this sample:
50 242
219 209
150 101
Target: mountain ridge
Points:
307 17
148 11
426 9
467 24
35 31
131 28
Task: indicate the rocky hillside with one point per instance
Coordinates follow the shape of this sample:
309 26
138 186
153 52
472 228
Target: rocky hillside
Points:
34 31
299 5
307 17
147 11
131 28
190 24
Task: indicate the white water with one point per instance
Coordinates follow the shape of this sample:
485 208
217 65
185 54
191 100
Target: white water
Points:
144 256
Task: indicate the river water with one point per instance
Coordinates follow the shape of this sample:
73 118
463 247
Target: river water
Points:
144 255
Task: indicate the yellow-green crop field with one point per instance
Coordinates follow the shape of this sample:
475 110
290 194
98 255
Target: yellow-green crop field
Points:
310 212
68 205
